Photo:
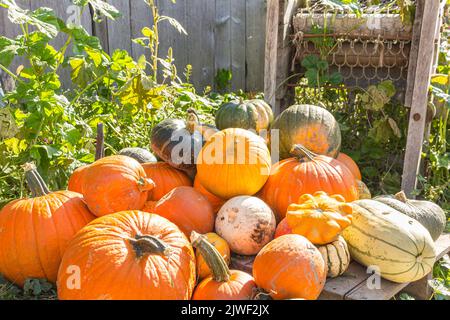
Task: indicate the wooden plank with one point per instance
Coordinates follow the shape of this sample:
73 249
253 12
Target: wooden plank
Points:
223 35
255 35
200 47
141 16
119 31
238 44
419 97
170 37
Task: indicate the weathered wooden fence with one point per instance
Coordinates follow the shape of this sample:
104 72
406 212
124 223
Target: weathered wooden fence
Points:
222 34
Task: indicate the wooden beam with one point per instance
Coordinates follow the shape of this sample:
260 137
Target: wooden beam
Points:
419 99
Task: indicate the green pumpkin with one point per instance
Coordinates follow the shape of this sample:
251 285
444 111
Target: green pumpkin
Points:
429 214
139 154
254 115
171 137
311 126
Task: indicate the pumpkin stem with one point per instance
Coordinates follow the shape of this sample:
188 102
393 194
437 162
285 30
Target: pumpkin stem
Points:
241 100
150 245
34 180
192 120
146 184
401 196
212 257
299 151
99 147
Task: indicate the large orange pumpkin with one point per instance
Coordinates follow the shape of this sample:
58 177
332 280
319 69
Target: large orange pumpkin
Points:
221 245
129 255
234 162
319 218
215 201
188 209
75 183
115 183
290 267
223 284
35 232
166 178
350 164
306 173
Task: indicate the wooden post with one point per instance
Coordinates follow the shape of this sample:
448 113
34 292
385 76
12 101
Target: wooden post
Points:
419 98
100 142
278 53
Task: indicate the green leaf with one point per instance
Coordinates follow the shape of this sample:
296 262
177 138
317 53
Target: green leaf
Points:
311 75
174 24
310 61
101 8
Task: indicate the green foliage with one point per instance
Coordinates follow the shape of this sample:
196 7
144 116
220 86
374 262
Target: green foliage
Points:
34 289
223 79
317 73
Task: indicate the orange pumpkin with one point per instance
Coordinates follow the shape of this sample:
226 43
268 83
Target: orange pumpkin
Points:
306 173
75 183
129 255
319 218
115 183
290 267
166 178
350 164
188 209
35 232
223 284
215 201
234 162
150 206
221 245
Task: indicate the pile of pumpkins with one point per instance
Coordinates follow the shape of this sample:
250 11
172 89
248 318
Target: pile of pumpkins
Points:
132 227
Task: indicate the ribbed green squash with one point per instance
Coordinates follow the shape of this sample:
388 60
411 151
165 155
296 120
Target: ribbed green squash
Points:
429 214
337 257
253 114
308 125
398 245
139 154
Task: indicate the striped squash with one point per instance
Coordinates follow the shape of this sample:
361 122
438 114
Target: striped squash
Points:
381 236
336 256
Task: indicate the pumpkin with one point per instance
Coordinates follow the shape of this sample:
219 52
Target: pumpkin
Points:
337 257
234 162
129 255
350 164
363 190
178 142
166 178
115 183
223 284
139 154
253 115
308 125
319 217
188 209
222 247
246 223
75 183
215 201
34 232
290 267
429 214
398 245
306 173
150 206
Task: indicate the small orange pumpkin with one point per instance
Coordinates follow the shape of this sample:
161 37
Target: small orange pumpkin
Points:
223 284
290 267
115 183
221 245
215 201
350 164
129 255
166 178
319 218
35 232
188 209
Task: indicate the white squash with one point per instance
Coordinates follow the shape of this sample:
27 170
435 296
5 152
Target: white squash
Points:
337 257
246 223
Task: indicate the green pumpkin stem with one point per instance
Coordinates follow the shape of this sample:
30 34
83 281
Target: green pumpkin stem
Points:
100 143
212 257
401 196
192 120
34 181
149 245
299 151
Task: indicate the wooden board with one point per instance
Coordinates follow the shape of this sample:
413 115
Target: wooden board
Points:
119 31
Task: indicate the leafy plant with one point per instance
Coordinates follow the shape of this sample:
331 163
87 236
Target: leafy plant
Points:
317 72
